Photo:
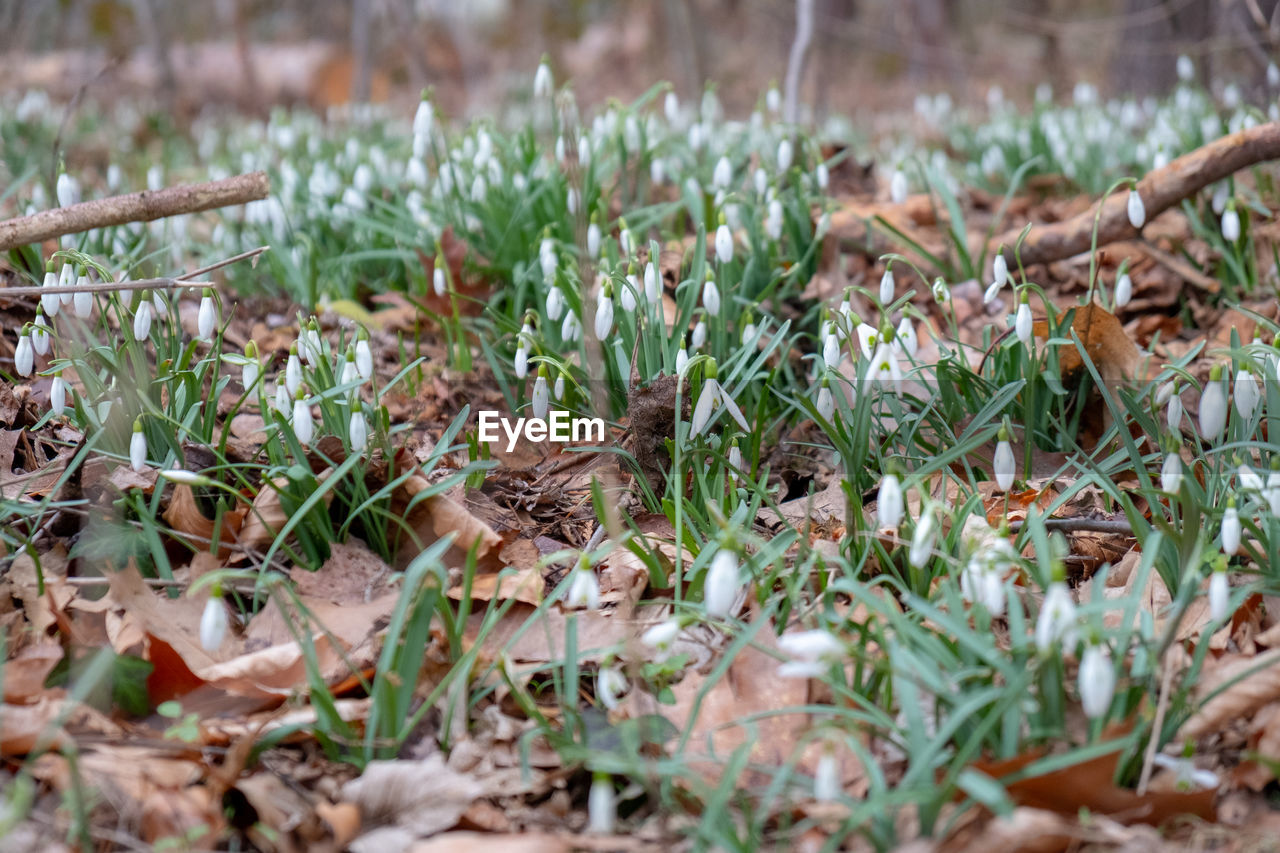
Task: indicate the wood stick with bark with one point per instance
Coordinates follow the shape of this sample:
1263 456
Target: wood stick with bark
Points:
135 207
1160 190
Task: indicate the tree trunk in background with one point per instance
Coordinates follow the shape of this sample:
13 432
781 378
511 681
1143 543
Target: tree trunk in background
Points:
927 43
1155 33
361 50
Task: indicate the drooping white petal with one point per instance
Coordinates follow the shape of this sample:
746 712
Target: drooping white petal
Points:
213 624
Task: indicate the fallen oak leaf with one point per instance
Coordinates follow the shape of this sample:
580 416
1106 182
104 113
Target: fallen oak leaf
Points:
1234 688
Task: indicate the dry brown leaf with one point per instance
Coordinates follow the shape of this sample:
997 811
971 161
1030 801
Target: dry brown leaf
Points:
1256 683
266 515
525 585
481 842
184 516
437 516
1109 348
424 797
25 672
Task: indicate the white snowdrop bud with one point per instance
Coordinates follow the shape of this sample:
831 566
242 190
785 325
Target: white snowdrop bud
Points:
1273 75
1004 463
898 187
832 352
521 363
699 337
66 278
657 171
1186 69
610 684
24 356
439 283
1247 393
303 426
774 220
40 338
543 84
138 448
1219 596
811 653
1230 224
68 190
142 320
1231 530
652 285
358 430
660 638
555 304
602 806
604 312
558 390
207 316
584 589
541 397
1057 620
724 244
1000 269
58 396
784 155
722 584
570 329
1124 290
671 107
825 403
923 538
349 371
82 301
627 294
584 151
822 176
155 177
723 174
1213 405
827 786
760 179
710 299
547 257
906 337
1022 324
1171 473
887 286
292 371
1137 210
682 360
252 369
1097 681
773 99
593 241
213 624
50 302
283 401
991 293
364 356
889 504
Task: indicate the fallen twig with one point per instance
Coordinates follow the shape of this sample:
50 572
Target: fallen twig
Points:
135 207
1082 525
1160 190
174 283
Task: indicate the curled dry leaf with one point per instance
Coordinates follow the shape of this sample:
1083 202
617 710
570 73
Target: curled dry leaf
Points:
424 797
25 672
185 516
1246 683
267 515
437 516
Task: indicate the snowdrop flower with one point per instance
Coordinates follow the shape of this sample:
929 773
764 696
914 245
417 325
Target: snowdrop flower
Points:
570 329
699 338
905 337
1000 268
832 353
773 99
1219 592
303 426
898 187
709 401
624 238
1174 410
58 395
661 637
825 404
1186 69
364 355
555 304
866 333
982 579
584 588
213 624
584 151
889 504
1097 680
207 316
884 366
1057 620
627 293
773 221
50 302
1171 473
1003 462
522 359
784 155
602 806
1231 529
1213 405
991 293
66 278
593 238
1189 777
761 180
284 401
610 685
358 430
1247 394
1124 290
155 177
1137 210
24 356
349 371
68 190
543 85
735 460
252 369
1230 223
558 389
82 301
827 784
604 312
1022 325
723 174
822 176
671 107
1272 492
40 338
652 286
682 358
710 297
923 538
724 579
142 320
811 653
292 371
941 292
547 258
416 172
541 397
887 287
657 172
138 447
724 242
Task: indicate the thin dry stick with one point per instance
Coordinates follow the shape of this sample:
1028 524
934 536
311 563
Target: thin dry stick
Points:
1153 745
1160 190
174 283
135 207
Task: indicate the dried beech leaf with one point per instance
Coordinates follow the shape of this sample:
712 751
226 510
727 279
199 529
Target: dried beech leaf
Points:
1257 682
424 797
